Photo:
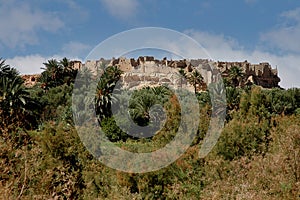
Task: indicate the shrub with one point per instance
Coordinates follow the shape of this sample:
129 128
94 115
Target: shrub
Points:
243 139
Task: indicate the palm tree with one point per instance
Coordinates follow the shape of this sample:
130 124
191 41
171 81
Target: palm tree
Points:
7 71
57 73
13 94
140 105
53 74
161 93
54 68
17 108
233 100
235 75
69 73
105 87
10 86
16 105
218 98
195 79
65 63
113 73
103 98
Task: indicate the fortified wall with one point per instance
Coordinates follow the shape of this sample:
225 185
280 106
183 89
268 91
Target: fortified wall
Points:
30 80
150 71
260 74
146 70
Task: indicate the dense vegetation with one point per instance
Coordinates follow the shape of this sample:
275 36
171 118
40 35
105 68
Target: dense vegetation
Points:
42 157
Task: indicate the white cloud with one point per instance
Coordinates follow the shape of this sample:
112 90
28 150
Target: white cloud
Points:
20 23
75 49
288 68
121 8
75 12
219 47
227 49
30 64
292 14
250 1
286 36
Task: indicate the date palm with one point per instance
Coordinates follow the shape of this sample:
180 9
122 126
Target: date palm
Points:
140 106
16 105
10 86
235 75
69 73
105 87
53 74
195 79
7 71
57 73
13 94
54 68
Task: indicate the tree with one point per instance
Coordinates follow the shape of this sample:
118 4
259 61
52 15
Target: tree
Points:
104 91
7 71
140 105
57 73
11 89
52 76
12 93
69 72
235 75
143 105
16 105
233 98
195 79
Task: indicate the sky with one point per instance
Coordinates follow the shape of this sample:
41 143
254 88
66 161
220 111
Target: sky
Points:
35 31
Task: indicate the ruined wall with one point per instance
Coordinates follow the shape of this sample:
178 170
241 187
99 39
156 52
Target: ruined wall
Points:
260 74
146 70
30 80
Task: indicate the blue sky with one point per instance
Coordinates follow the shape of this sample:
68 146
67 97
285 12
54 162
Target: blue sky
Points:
234 30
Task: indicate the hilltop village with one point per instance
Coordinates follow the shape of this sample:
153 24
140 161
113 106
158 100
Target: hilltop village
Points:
151 71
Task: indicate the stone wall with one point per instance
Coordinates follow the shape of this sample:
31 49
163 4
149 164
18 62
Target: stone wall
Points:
30 80
146 70
260 74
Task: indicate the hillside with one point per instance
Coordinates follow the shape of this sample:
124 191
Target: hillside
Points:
43 155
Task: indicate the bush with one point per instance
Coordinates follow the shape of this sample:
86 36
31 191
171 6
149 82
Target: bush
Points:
112 130
243 139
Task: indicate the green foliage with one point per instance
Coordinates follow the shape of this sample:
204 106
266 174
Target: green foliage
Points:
57 73
56 103
141 104
257 155
235 76
233 98
284 101
297 112
17 108
7 71
112 131
243 139
204 98
105 87
143 100
195 79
